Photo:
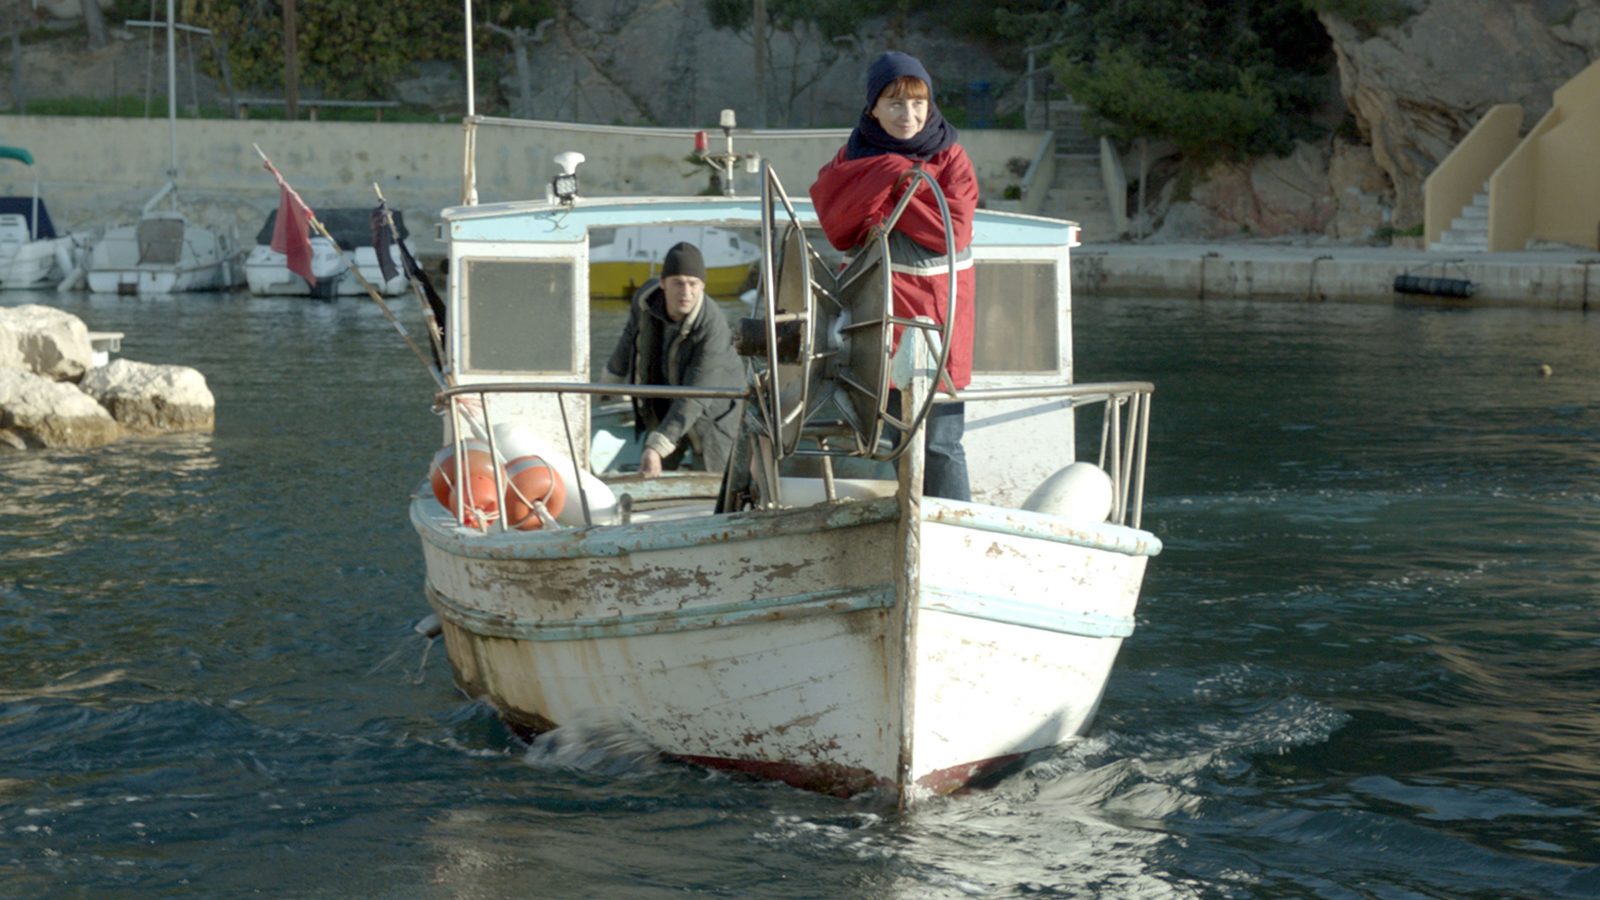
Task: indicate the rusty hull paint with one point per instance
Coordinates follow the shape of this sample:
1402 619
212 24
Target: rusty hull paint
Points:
823 778
988 688
756 686
811 700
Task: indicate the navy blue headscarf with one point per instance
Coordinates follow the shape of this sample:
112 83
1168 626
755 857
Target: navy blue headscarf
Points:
869 138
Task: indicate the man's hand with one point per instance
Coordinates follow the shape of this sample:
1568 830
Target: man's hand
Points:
650 463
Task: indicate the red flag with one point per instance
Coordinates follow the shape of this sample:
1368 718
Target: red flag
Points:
291 233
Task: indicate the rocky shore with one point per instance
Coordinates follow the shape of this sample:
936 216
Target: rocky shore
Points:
53 396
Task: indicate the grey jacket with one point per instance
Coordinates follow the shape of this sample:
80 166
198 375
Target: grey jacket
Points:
697 352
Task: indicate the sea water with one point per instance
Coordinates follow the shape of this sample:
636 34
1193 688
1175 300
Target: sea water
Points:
1367 663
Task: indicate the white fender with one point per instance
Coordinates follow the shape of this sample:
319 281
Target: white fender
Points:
514 439
1080 492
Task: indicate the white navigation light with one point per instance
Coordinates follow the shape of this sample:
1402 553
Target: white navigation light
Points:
565 185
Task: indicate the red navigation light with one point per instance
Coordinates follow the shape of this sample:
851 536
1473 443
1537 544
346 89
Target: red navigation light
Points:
700 145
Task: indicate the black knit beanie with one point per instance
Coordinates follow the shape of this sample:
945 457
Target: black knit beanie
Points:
683 259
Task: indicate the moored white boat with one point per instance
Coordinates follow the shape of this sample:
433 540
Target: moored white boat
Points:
840 633
163 252
267 272
31 253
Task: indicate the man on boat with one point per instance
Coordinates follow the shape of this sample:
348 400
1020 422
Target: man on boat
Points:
676 335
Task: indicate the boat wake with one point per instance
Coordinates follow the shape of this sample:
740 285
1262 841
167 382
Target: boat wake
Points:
63 687
598 744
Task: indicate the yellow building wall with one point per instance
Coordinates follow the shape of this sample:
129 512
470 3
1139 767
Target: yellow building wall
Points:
1461 175
1514 191
1568 200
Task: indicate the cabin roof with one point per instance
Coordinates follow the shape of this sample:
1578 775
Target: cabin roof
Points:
541 221
24 207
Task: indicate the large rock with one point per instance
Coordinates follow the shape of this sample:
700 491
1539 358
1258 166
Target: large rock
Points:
45 341
588 67
37 412
1362 194
1267 198
152 399
1417 89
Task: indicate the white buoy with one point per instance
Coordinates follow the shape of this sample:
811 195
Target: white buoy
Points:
513 440
1080 492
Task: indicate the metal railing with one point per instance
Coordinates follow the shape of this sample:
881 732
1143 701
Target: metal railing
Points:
1124 426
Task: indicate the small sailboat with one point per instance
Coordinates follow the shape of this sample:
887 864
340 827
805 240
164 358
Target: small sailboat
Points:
31 253
634 254
163 253
267 273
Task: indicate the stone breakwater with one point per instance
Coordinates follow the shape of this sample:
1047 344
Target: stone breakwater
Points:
53 396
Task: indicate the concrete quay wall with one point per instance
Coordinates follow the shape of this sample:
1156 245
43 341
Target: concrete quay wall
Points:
95 172
1556 279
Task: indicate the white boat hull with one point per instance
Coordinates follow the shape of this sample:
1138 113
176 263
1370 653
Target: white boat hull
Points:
33 264
788 644
130 259
267 273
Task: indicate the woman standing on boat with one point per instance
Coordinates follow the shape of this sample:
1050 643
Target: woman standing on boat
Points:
901 129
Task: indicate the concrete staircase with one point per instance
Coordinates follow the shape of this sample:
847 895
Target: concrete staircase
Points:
1468 232
1077 191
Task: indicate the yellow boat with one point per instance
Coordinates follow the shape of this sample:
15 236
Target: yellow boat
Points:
635 252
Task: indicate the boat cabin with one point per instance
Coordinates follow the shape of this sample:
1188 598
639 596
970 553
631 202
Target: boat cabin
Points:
522 314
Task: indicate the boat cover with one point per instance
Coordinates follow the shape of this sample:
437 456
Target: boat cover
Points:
350 226
23 206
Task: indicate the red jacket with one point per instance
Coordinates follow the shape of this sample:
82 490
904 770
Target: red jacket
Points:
852 195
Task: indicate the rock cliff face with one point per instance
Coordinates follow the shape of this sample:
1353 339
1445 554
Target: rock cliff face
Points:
1412 91
661 62
609 62
1415 90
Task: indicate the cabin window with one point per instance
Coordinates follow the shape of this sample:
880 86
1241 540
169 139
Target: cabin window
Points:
519 316
1016 328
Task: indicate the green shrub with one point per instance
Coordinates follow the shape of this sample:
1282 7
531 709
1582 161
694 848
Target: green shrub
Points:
1130 99
1220 80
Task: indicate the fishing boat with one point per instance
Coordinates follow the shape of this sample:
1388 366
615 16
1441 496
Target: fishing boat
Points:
31 253
633 256
163 252
807 615
266 271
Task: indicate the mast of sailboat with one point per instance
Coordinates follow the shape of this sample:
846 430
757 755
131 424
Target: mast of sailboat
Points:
172 93
469 171
471 90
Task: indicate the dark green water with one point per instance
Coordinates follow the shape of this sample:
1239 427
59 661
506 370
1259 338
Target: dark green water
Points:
1367 664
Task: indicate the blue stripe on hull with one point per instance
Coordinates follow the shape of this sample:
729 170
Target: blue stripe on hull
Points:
760 609
1008 611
